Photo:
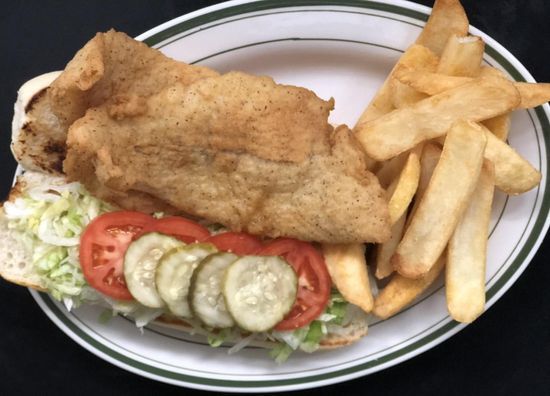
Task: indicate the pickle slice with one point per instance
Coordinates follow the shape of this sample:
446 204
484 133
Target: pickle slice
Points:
140 264
174 275
259 291
206 298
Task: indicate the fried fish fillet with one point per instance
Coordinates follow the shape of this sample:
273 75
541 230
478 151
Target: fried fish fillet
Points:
112 69
237 150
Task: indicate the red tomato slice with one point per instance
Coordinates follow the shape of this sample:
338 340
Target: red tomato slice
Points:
102 248
236 242
185 230
313 280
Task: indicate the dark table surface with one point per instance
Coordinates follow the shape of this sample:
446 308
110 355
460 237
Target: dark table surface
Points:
506 351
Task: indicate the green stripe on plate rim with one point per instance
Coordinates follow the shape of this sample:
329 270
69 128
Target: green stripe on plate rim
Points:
274 4
446 329
98 346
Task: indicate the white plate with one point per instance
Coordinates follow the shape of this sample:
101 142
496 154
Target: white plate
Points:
344 51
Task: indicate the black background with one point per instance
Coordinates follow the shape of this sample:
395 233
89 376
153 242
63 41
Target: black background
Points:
506 351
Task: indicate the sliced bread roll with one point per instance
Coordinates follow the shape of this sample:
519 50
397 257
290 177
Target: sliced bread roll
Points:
38 138
15 258
16 267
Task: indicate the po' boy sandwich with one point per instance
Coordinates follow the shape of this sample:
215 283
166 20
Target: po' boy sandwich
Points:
169 192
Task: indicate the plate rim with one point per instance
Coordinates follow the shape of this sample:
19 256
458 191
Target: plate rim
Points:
442 333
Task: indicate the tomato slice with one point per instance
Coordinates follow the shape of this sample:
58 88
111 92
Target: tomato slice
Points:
102 248
236 242
185 230
313 280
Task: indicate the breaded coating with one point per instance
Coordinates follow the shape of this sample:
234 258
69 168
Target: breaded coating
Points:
237 150
111 68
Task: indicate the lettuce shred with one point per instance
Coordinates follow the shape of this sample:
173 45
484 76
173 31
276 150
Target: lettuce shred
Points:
308 338
51 218
281 352
215 339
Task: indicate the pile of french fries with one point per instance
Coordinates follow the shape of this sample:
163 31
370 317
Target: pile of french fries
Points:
436 135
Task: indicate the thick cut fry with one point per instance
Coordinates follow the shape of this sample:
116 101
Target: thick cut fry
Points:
467 253
385 251
499 126
430 157
488 71
447 18
389 171
450 188
382 102
403 188
403 95
531 94
348 270
401 291
403 129
462 56
513 174
419 58
429 83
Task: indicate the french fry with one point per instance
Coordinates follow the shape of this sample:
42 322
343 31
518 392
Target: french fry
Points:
403 188
450 188
401 291
462 56
385 251
488 71
499 126
382 102
389 171
429 83
402 129
531 94
447 18
400 176
513 174
467 253
348 270
404 96
428 161
418 58
465 60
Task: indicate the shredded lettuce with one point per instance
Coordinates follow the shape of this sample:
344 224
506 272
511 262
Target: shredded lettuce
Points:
51 218
140 314
281 353
308 338
313 337
243 343
215 339
337 311
105 316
